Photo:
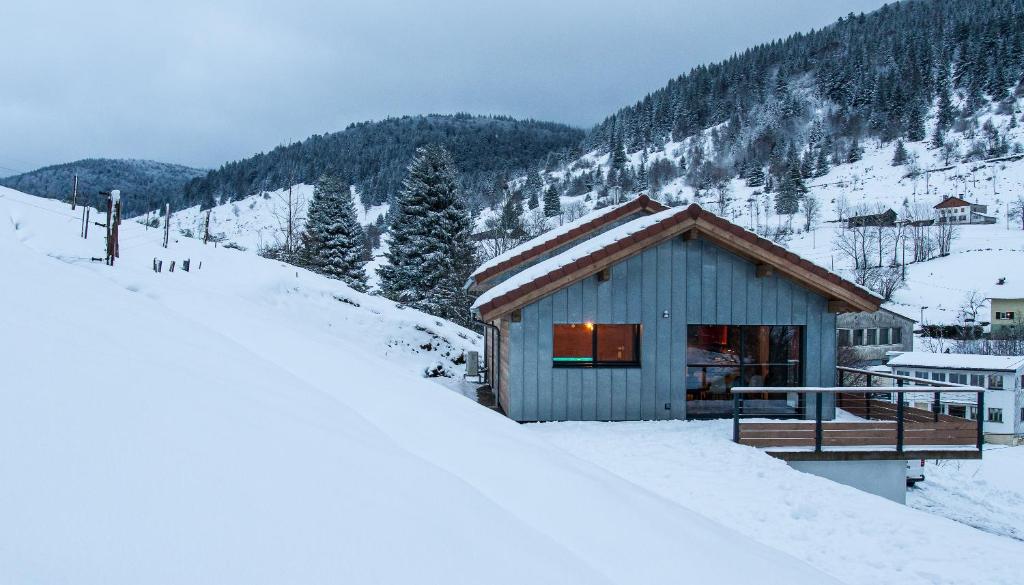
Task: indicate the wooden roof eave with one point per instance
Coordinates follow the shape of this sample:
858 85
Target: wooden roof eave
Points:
841 299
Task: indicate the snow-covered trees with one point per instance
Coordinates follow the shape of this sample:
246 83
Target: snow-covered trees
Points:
899 154
791 189
431 251
334 241
552 202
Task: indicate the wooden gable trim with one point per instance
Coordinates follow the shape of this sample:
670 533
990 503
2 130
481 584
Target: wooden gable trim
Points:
720 232
642 203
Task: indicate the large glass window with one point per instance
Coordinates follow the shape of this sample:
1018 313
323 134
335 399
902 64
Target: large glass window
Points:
719 357
590 345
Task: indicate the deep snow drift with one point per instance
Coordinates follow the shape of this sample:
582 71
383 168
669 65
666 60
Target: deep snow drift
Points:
859 538
239 423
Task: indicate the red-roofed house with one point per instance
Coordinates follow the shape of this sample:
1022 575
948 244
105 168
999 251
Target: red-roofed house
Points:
957 210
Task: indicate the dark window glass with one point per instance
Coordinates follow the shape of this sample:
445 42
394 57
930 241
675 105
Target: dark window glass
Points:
722 356
958 410
618 343
872 337
939 376
883 336
574 343
858 337
897 335
844 337
587 344
995 381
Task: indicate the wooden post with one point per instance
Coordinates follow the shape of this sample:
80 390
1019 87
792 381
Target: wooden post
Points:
171 267
167 223
981 418
109 226
817 422
206 230
74 193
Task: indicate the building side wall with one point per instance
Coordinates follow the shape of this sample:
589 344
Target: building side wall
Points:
692 282
876 354
1002 327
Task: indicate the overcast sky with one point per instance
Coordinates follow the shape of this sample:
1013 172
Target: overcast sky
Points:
202 82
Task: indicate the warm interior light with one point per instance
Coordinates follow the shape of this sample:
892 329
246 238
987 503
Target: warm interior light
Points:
589 325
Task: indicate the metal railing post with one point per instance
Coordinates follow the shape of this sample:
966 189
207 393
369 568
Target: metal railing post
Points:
899 422
980 418
817 421
735 418
936 406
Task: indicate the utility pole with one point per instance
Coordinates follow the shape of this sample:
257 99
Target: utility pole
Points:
74 193
113 224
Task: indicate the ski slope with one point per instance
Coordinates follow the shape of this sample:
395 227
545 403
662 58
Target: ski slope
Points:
247 422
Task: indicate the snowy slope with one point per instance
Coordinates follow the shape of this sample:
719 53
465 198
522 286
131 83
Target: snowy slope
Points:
981 255
258 220
239 424
857 537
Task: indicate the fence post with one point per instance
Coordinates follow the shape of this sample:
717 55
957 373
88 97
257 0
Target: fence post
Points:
899 418
981 417
735 417
817 421
936 406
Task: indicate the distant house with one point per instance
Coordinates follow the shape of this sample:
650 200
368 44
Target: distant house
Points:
1007 308
867 339
1001 376
960 211
886 218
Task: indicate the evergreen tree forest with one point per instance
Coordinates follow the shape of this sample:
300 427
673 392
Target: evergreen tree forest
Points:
373 156
821 93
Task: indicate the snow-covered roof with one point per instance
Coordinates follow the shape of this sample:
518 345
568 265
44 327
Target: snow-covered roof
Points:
567 232
586 253
958 361
898 310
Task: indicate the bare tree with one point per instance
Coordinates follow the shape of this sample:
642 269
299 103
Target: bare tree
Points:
842 207
945 234
573 211
289 212
1015 210
885 280
811 210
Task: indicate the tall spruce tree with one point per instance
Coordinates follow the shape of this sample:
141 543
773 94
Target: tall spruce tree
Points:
552 202
821 166
431 252
791 190
899 155
333 239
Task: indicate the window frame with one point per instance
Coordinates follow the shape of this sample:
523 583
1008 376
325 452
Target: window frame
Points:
990 411
993 377
594 363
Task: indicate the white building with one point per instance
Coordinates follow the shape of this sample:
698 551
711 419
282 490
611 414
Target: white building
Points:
957 210
1002 376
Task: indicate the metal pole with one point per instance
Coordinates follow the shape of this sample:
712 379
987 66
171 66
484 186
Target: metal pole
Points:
735 418
981 414
817 422
936 406
899 418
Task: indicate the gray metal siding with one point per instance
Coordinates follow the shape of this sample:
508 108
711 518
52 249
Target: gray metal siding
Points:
694 282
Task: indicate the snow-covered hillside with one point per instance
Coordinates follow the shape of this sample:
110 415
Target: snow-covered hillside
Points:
935 289
258 220
247 422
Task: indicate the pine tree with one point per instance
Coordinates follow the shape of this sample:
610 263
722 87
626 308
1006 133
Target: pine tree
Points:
617 158
791 190
807 165
821 165
533 201
855 153
334 241
431 252
915 123
642 180
899 155
534 185
755 177
552 202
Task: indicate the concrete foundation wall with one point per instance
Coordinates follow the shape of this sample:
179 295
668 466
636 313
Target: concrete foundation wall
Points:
882 478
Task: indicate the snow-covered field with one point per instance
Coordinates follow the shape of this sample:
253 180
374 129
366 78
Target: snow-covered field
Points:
853 536
986 494
246 422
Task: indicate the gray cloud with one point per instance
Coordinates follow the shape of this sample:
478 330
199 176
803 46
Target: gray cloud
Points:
200 82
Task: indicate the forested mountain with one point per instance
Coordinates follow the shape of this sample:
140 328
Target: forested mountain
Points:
374 157
807 101
144 184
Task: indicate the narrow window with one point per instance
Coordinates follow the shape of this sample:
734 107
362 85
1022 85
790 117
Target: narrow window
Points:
978 380
574 343
897 335
939 376
858 337
883 336
618 344
872 337
995 415
844 337
995 382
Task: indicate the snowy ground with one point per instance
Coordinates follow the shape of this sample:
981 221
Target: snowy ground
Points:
987 494
247 422
856 537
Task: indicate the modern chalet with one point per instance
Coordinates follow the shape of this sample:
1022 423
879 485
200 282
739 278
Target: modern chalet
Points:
639 312
651 313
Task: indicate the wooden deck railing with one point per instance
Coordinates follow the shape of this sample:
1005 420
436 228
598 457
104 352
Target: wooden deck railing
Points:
869 421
